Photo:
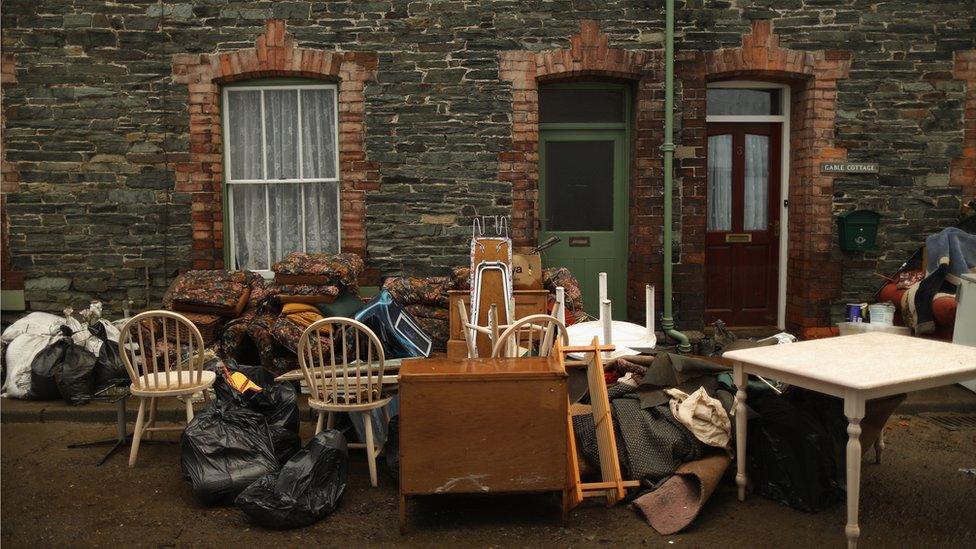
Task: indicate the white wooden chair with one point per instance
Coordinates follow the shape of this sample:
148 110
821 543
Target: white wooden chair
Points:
155 373
534 335
471 330
342 361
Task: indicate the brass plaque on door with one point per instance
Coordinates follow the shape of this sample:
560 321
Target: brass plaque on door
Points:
738 238
579 241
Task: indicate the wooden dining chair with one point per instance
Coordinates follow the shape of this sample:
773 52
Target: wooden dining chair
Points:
471 329
342 360
534 335
152 345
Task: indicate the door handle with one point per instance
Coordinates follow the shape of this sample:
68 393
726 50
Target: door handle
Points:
776 227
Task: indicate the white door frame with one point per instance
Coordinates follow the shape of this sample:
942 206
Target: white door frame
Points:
784 192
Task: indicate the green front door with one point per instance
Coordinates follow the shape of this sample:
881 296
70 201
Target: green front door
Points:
583 194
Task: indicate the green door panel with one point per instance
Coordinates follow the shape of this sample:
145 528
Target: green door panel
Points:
583 194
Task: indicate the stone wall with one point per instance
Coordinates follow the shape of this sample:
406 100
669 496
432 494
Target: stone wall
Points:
97 124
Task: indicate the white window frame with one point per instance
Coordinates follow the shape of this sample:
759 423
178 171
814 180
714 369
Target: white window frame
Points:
230 181
784 192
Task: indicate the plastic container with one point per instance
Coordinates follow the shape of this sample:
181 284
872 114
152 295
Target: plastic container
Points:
882 313
850 328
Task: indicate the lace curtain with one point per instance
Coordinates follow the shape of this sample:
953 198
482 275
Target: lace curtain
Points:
269 220
719 183
757 182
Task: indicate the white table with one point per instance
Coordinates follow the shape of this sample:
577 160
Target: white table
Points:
855 368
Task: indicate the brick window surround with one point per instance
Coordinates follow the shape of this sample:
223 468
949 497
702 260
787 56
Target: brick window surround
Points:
9 183
962 171
590 57
814 262
275 55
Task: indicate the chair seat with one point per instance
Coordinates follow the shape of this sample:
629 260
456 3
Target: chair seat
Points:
172 384
333 407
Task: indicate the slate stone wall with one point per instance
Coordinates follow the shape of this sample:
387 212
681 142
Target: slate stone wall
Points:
96 121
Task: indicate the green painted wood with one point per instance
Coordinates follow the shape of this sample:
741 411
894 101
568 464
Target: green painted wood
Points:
607 250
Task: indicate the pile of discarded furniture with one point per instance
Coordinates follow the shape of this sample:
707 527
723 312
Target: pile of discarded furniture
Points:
594 409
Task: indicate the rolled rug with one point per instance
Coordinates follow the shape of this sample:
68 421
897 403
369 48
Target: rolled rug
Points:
673 506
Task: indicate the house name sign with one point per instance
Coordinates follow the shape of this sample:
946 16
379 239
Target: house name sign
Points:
848 167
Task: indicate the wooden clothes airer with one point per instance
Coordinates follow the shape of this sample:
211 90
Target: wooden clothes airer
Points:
612 486
491 278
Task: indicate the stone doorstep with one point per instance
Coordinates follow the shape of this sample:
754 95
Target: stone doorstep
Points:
951 398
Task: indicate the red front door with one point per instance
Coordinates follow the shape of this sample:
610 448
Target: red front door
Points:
742 226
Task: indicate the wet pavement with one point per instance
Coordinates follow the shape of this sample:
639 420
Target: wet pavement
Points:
54 496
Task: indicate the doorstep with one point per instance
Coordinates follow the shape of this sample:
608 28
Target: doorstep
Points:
951 398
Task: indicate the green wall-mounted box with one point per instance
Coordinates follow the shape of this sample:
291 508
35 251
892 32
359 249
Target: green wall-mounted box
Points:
858 230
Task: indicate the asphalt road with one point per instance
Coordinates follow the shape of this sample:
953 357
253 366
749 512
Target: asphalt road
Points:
55 497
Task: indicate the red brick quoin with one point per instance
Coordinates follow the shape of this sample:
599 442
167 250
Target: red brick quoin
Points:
814 266
275 55
590 57
9 183
962 171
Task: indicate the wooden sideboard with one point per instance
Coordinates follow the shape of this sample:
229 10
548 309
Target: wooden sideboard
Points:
482 425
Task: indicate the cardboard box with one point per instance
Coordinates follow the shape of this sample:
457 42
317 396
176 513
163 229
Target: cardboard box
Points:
526 269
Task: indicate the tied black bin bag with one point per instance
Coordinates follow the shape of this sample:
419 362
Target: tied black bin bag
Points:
277 402
63 370
307 489
224 449
109 369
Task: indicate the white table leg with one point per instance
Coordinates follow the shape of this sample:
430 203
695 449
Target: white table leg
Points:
739 378
854 410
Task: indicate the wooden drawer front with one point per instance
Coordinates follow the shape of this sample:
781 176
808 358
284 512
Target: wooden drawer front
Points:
482 437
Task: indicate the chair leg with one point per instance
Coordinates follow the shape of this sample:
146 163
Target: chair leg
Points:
152 417
189 409
320 421
370 449
331 422
137 434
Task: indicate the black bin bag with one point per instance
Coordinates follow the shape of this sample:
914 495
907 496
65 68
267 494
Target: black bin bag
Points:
63 370
109 369
76 376
277 402
306 489
797 448
224 449
43 385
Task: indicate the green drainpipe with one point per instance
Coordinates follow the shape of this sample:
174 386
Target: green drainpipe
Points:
667 321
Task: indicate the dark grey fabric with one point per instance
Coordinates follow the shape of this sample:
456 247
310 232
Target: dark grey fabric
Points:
651 443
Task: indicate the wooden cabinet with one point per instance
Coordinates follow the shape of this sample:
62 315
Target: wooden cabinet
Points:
481 426
527 302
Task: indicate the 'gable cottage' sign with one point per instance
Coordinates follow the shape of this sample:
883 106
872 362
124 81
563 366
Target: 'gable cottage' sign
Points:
848 167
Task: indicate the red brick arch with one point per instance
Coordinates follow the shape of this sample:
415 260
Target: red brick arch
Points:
275 55
589 57
814 269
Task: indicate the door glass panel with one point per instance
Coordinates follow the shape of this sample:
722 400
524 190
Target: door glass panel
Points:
719 183
757 183
580 105
579 185
741 101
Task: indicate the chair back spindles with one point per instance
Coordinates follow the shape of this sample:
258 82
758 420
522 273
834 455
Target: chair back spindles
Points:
341 376
534 335
149 364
